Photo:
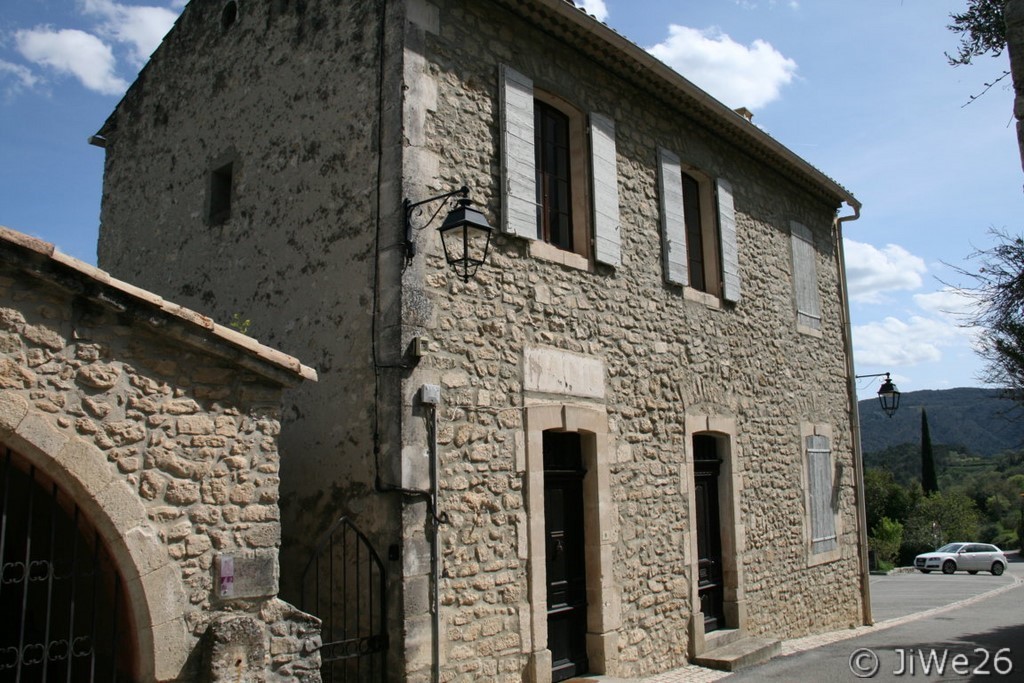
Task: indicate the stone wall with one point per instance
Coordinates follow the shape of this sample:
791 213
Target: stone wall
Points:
666 355
315 257
170 447
291 92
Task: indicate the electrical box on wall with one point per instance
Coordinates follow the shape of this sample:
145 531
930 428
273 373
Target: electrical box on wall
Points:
430 394
421 346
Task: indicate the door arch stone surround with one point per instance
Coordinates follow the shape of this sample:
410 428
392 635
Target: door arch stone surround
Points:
603 595
152 581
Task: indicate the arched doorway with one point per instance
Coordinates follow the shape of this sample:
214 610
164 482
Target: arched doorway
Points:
62 601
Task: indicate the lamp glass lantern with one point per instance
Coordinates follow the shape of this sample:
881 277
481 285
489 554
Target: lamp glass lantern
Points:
466 237
889 396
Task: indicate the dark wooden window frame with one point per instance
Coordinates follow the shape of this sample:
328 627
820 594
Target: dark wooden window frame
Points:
703 234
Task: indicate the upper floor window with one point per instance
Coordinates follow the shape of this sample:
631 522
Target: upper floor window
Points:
698 225
805 278
554 176
559 188
701 236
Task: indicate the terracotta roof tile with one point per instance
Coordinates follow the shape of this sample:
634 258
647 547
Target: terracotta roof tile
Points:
189 317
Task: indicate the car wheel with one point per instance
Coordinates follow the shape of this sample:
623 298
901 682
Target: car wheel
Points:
997 568
925 571
948 567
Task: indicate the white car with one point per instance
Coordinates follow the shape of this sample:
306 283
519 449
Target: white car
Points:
969 557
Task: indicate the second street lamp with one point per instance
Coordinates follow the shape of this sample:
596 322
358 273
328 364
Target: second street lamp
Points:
888 394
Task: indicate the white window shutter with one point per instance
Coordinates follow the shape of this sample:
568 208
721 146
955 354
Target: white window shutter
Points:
730 251
823 520
805 276
518 163
606 190
673 218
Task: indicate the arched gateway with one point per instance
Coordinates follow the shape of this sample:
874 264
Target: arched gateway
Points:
62 598
87 589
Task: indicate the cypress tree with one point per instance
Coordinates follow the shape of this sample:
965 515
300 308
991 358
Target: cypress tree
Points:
929 482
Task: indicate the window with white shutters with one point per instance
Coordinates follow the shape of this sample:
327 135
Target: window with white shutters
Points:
820 498
805 277
698 229
551 157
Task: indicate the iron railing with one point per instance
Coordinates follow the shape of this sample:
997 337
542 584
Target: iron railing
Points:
61 616
344 585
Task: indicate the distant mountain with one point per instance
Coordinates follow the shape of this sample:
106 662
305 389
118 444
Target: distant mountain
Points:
977 419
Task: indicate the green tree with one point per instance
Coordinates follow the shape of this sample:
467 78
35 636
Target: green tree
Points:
988 27
886 539
997 291
884 497
938 519
929 481
982 31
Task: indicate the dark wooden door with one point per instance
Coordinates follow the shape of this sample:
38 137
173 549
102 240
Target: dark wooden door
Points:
566 568
710 587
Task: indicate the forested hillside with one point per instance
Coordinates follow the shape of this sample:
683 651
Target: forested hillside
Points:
978 453
977 419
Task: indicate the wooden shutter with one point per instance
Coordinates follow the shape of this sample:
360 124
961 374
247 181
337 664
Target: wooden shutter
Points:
730 251
518 163
805 276
606 190
673 221
823 520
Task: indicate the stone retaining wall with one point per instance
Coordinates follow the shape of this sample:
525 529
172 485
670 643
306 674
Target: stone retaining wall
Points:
170 449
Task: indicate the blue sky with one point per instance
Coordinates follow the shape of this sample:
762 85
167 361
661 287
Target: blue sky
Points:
862 90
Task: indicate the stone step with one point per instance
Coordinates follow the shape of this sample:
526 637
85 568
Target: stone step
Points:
721 637
742 653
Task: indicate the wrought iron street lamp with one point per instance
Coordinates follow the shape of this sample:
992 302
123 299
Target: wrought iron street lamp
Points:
888 394
465 233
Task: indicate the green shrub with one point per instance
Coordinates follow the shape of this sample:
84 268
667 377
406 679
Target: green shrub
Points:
885 540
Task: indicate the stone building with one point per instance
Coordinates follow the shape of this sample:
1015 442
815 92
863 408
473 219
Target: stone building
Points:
629 438
138 485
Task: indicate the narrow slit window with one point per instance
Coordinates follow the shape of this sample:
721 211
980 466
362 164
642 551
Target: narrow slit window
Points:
221 181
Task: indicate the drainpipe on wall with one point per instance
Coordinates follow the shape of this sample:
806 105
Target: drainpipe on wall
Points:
435 551
851 386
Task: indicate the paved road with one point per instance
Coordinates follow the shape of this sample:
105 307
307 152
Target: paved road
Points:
898 595
915 615
963 636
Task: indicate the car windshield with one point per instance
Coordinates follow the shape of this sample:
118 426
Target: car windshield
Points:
950 548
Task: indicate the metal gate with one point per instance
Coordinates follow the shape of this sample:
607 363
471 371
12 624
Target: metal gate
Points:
344 585
61 602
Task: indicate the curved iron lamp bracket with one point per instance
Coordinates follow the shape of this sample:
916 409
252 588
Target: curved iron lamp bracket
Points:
411 207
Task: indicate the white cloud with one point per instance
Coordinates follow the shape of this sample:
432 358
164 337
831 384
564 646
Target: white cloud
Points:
948 302
896 343
871 272
595 7
23 78
738 75
141 27
74 52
